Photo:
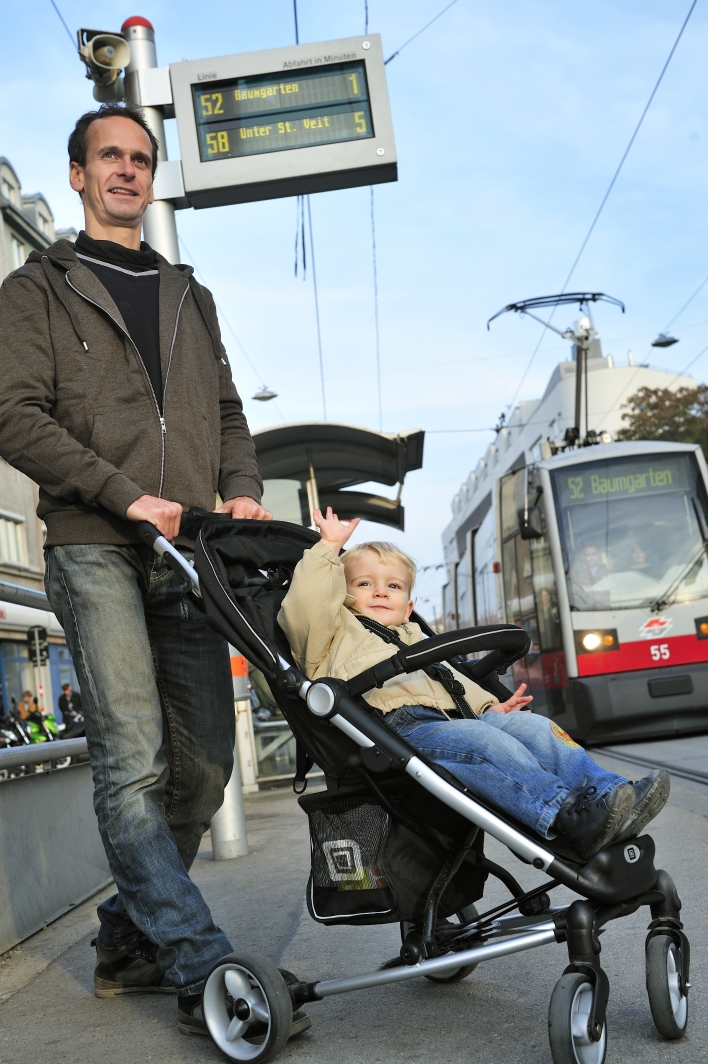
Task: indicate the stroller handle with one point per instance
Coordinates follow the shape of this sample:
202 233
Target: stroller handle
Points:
169 554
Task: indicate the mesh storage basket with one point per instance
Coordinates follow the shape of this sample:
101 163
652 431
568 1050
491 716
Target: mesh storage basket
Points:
347 881
368 869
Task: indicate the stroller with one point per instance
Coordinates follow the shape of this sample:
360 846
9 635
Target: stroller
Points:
396 838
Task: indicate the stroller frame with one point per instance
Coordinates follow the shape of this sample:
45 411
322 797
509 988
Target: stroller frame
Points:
248 1004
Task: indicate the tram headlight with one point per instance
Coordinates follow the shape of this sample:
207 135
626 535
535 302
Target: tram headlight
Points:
702 627
595 640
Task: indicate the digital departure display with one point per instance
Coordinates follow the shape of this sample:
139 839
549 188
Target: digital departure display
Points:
599 481
272 112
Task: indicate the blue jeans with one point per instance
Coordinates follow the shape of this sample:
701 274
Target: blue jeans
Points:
521 763
158 703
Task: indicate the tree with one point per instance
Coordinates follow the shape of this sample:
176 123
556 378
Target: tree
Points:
660 414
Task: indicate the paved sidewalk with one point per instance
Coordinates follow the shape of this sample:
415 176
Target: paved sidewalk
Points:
48 1013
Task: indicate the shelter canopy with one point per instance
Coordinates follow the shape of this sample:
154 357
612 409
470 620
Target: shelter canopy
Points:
325 457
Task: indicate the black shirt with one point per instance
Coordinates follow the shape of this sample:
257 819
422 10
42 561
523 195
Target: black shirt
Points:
132 280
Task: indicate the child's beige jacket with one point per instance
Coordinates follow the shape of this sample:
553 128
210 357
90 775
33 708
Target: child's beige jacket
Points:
327 639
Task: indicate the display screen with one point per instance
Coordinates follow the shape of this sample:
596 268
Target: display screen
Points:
272 112
600 481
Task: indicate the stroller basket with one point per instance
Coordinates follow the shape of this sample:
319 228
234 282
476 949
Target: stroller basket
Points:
368 868
347 838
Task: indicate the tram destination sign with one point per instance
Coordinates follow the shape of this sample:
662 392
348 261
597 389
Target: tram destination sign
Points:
284 122
603 481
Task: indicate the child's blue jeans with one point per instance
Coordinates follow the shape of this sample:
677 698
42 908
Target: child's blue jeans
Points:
520 762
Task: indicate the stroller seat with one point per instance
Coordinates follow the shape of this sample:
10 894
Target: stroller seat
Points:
396 838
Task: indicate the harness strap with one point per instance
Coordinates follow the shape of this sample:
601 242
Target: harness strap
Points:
438 672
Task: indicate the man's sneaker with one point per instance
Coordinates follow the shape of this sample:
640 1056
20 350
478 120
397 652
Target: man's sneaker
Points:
190 1014
128 971
650 796
588 822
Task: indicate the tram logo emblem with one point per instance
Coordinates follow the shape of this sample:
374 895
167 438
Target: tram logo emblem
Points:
655 627
632 853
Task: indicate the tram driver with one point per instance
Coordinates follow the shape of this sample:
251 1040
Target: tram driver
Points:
588 567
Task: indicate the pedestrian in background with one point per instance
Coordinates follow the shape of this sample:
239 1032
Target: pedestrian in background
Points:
69 704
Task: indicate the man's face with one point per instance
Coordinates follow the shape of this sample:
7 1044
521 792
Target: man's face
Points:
379 588
67 692
592 556
116 183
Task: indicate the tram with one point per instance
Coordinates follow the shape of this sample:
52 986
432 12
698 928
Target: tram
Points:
599 553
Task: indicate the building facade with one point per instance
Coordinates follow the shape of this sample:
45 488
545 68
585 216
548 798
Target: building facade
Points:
26 224
473 593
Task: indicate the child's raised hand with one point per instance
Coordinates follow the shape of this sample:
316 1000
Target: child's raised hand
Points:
334 532
516 702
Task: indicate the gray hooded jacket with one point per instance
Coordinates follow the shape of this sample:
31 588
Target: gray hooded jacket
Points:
78 414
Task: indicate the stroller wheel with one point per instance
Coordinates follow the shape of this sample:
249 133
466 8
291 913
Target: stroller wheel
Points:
465 916
668 1000
568 1020
454 976
247 1007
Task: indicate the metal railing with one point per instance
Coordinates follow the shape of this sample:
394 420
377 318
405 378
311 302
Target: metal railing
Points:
42 753
23 596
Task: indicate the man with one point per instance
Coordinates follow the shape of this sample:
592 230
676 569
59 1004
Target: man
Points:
69 704
116 398
590 566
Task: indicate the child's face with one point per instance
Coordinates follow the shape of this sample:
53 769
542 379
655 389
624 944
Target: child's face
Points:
379 589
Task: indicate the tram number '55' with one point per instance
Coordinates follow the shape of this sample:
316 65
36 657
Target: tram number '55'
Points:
659 651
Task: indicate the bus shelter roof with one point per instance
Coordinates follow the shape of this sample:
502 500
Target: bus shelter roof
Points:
341 455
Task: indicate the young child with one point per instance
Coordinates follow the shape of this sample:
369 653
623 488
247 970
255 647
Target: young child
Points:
520 762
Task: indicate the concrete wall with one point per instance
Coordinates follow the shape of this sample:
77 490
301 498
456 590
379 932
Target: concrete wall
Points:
51 855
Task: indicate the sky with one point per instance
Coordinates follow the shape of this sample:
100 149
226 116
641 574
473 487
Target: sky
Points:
510 119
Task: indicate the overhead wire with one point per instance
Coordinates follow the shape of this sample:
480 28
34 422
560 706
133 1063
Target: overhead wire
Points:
61 19
300 235
317 310
312 256
425 27
609 190
686 369
376 312
686 304
228 325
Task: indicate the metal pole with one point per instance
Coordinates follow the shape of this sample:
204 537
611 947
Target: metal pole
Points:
159 226
228 825
246 746
580 356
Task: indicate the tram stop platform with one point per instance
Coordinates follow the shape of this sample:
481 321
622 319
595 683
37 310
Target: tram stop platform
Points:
48 1012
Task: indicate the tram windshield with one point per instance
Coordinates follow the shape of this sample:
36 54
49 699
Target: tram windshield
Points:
634 531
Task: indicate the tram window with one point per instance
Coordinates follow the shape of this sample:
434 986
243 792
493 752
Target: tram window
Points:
486 581
632 530
465 618
529 582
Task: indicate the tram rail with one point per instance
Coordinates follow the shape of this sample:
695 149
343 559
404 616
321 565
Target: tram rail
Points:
647 762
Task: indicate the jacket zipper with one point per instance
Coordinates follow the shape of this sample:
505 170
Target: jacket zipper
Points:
163 426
